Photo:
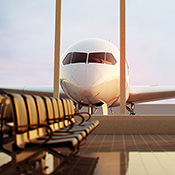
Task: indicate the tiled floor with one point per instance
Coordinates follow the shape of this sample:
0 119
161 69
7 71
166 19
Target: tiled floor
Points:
144 143
132 154
128 154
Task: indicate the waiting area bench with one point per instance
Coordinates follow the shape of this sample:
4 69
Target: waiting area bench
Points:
39 125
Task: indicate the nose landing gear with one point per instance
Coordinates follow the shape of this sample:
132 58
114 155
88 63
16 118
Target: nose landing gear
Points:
131 109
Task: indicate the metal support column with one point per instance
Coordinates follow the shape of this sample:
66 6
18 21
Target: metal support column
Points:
57 49
122 58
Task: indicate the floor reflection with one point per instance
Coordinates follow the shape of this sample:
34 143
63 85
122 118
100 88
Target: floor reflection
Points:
134 163
111 163
115 163
152 163
116 155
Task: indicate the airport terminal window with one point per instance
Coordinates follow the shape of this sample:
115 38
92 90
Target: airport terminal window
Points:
67 59
79 57
110 59
96 57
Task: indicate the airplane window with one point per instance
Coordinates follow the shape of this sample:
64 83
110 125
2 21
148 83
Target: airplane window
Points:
110 59
79 57
67 59
96 57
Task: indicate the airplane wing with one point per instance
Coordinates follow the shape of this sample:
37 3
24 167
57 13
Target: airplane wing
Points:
139 94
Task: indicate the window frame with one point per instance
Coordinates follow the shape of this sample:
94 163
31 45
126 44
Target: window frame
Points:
84 62
97 57
88 56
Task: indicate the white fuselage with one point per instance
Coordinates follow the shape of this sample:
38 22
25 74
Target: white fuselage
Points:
89 81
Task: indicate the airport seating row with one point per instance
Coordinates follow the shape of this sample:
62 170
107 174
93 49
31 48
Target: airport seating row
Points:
42 124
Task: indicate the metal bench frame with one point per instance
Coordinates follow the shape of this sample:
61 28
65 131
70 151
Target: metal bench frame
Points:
41 124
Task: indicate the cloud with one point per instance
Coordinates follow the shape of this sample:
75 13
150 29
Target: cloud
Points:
27 37
87 19
26 46
150 41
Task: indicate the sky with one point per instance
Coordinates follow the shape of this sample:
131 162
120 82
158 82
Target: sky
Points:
27 37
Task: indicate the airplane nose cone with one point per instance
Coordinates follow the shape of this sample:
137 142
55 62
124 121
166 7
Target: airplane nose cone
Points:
85 77
90 84
83 83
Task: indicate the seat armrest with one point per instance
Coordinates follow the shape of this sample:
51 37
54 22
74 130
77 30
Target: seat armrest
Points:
72 123
89 115
50 132
82 118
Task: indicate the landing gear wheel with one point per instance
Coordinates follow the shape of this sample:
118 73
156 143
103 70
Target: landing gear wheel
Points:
131 109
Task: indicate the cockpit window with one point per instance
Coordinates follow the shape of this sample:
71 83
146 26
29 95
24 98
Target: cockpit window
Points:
96 57
78 57
102 57
75 57
67 59
110 59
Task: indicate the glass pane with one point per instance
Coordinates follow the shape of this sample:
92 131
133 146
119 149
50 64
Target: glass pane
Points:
79 57
67 59
110 59
96 57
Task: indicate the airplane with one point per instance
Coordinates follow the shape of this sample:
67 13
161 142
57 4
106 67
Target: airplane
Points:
90 76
